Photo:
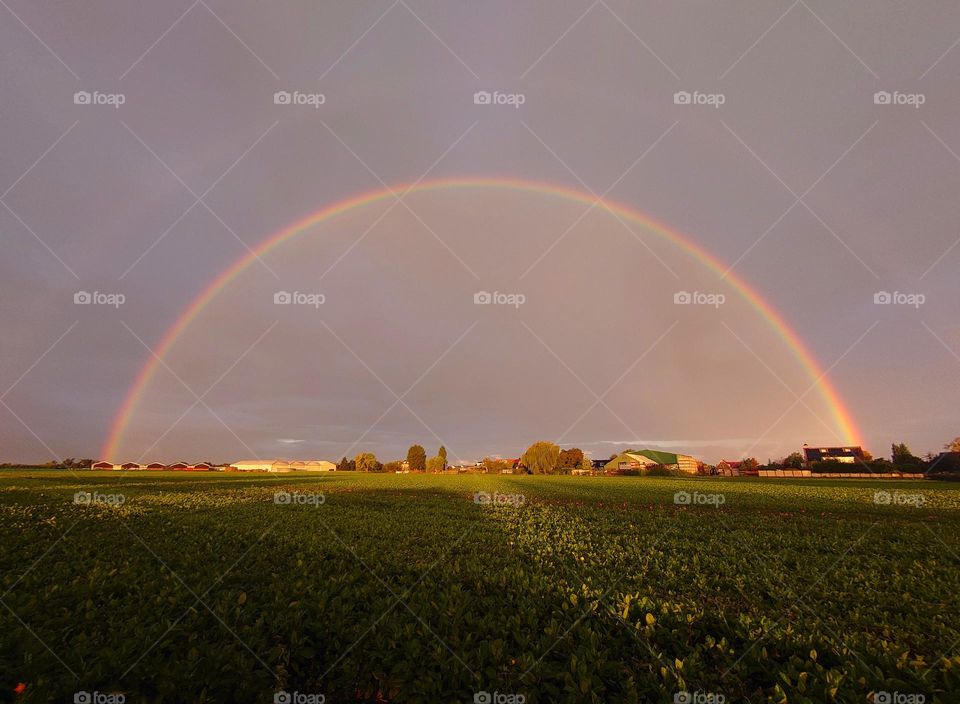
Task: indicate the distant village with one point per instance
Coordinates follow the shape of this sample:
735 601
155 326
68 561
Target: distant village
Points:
548 458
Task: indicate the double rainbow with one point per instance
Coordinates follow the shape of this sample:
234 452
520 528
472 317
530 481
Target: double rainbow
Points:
845 424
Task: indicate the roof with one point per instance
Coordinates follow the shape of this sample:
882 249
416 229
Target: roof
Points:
656 456
814 454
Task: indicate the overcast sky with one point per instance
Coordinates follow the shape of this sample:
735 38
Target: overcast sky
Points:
784 165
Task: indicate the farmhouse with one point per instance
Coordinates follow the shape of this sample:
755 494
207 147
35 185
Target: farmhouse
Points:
729 468
645 459
848 455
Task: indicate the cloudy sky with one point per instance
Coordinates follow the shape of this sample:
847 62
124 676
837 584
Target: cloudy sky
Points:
812 149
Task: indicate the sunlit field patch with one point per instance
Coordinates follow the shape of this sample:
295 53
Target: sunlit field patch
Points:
413 588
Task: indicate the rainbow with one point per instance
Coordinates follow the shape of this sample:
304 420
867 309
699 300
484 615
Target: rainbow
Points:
844 420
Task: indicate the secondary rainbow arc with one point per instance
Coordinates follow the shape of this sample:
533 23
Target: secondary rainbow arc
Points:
846 426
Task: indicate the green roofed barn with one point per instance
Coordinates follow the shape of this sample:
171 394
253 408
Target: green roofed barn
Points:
647 459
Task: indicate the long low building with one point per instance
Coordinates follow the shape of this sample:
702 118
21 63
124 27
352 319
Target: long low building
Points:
283 466
196 466
646 459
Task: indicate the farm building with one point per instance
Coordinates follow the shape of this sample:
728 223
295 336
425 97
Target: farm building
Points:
946 462
283 465
155 465
200 467
179 465
131 465
102 465
833 454
261 466
729 468
645 459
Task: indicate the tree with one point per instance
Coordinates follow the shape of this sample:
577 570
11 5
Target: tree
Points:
901 455
345 465
749 463
417 458
793 461
442 454
393 467
586 464
495 466
571 458
436 464
953 445
541 457
367 462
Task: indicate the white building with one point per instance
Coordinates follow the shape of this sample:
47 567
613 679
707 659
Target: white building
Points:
283 465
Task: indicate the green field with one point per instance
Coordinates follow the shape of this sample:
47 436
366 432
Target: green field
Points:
404 588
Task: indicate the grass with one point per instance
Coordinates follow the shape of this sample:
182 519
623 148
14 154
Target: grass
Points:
201 588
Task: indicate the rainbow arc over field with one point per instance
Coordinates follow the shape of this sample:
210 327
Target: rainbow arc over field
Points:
846 426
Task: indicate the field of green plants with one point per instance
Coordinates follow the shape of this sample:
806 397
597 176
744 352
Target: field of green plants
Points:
181 587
